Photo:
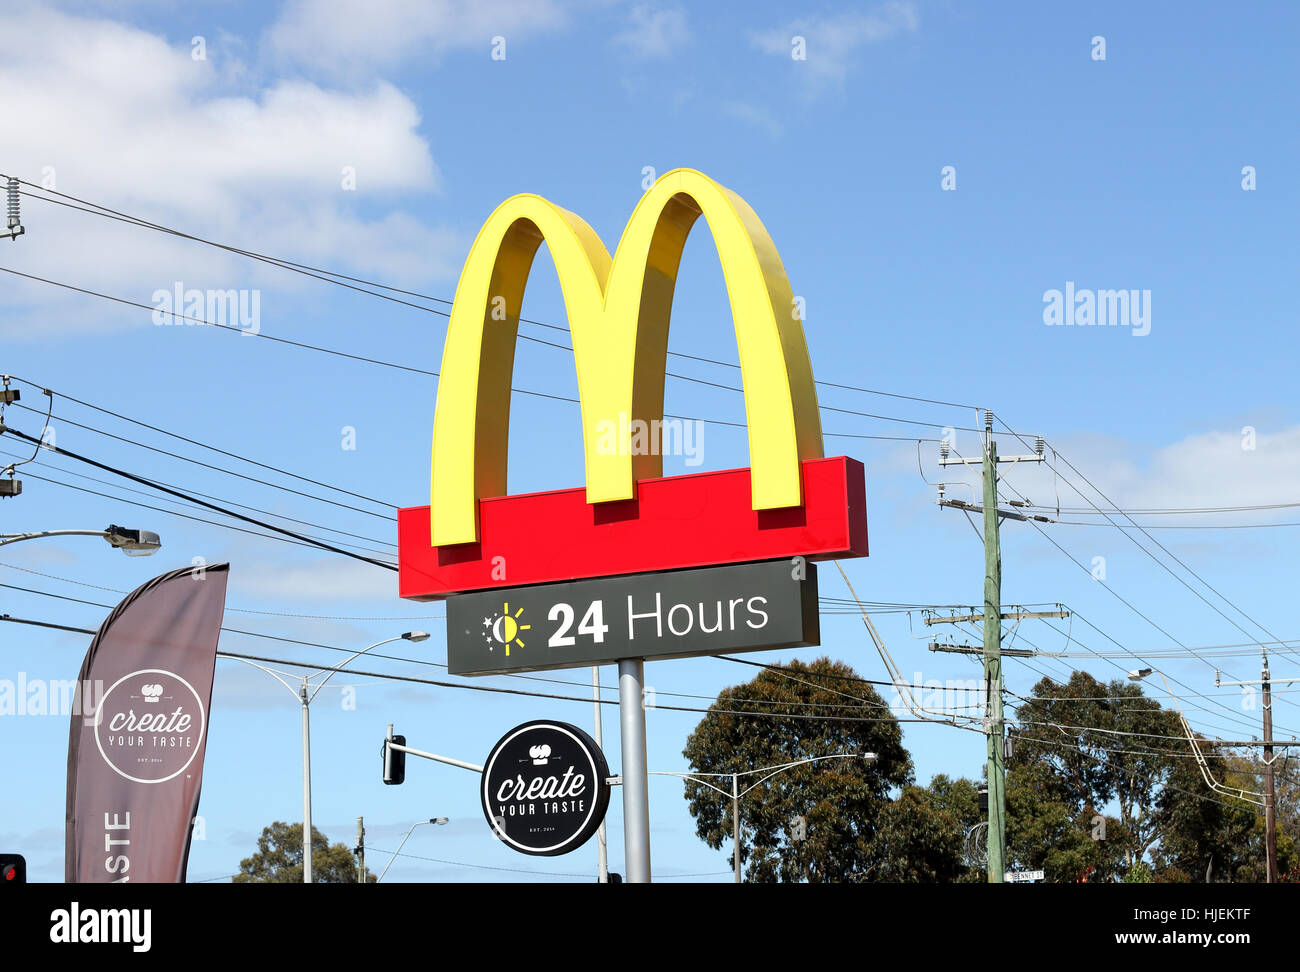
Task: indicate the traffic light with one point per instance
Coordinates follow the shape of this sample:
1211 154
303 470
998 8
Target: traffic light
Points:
394 761
13 869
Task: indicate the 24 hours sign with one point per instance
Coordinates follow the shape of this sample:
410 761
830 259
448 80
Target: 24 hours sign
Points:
671 614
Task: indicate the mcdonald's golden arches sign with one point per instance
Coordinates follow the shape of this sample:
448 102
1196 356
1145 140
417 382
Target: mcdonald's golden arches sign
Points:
628 518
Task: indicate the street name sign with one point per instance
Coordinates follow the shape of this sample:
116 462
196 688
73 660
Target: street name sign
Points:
1023 877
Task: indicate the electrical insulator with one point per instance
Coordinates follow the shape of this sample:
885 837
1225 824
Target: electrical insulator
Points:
15 225
1038 444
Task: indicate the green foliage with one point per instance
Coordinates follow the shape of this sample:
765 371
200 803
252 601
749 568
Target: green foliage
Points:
1139 873
1104 743
843 800
960 800
1044 831
1132 755
1223 837
918 840
1101 788
278 859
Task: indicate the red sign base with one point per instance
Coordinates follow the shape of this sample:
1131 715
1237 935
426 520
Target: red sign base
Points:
697 520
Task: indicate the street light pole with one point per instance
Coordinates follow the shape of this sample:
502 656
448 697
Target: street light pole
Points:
306 782
735 823
301 693
432 820
736 793
602 850
133 543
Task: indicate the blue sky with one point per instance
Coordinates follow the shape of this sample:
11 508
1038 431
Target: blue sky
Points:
1122 173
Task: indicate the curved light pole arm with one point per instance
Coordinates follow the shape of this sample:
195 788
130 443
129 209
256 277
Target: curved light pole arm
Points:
7 538
399 850
781 769
356 654
275 675
695 779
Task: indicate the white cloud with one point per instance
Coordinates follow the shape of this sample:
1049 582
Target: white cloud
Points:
831 42
120 116
330 580
753 115
362 35
654 31
1205 470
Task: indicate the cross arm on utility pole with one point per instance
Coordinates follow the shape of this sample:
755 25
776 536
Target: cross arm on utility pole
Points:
988 463
1242 743
1219 683
946 460
1265 681
957 504
1008 616
979 650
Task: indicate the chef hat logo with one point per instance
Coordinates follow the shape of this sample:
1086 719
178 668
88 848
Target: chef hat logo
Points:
151 692
540 754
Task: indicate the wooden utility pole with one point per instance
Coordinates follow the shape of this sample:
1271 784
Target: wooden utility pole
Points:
1265 682
361 850
992 626
993 660
1270 795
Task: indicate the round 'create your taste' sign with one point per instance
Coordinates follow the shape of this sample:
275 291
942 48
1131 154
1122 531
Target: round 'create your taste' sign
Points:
545 789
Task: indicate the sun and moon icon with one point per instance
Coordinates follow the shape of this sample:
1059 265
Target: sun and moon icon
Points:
504 629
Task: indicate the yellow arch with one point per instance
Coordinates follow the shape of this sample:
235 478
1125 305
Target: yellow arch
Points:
618 314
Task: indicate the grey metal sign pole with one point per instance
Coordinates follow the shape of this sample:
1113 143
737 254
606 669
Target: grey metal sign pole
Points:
636 788
602 854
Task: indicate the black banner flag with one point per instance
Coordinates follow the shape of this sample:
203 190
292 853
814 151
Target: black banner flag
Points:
135 763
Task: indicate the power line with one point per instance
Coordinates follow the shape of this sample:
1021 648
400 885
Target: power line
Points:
486 867
494 689
1165 511
1184 526
434 374
888 607
242 506
860 703
204 503
341 279
1166 550
1103 759
204 445
1227 714
1157 560
198 462
169 512
1117 595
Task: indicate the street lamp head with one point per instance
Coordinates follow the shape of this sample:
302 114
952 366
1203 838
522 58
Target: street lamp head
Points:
1140 673
416 636
437 820
868 756
133 543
